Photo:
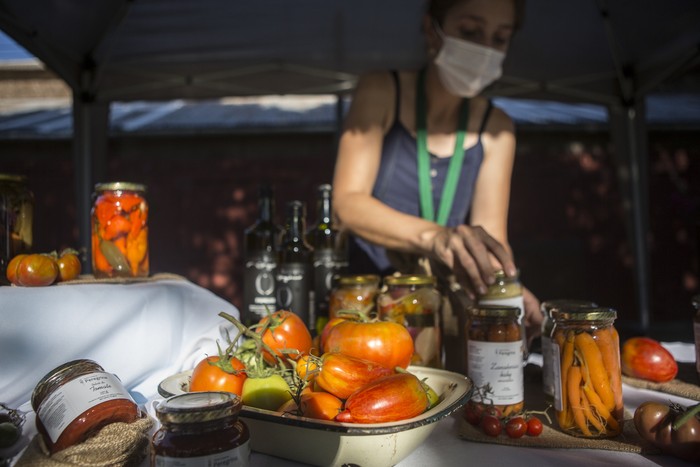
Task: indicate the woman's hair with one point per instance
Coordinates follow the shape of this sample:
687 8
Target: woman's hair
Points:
437 9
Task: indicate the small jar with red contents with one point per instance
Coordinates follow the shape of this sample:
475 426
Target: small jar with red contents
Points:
75 400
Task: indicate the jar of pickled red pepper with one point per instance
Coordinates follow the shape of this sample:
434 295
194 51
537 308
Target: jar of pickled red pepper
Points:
356 292
16 219
200 428
587 376
413 301
548 308
508 291
494 358
120 230
75 400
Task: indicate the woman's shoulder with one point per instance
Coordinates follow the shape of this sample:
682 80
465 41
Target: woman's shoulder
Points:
498 119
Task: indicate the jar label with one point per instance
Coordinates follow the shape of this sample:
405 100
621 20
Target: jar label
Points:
513 301
499 364
547 372
556 375
73 398
237 457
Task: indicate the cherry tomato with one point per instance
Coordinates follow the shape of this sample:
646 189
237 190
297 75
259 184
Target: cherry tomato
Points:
491 425
384 342
287 335
473 413
320 405
209 375
37 270
307 367
516 427
534 426
68 266
12 268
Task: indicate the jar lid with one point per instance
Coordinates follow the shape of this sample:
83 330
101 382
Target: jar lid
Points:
120 186
416 279
494 311
197 407
54 377
13 178
359 279
549 307
589 314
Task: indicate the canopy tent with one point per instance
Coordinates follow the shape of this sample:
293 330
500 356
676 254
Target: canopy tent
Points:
611 52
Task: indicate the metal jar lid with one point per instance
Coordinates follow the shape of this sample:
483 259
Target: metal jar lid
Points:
198 407
494 311
13 178
120 186
364 279
550 307
59 375
415 279
590 314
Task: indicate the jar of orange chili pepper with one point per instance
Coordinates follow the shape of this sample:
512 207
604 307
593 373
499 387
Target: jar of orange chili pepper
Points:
120 230
588 380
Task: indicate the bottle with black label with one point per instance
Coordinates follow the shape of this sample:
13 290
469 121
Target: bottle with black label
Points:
330 254
260 250
294 278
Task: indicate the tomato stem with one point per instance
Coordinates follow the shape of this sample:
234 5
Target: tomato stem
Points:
689 413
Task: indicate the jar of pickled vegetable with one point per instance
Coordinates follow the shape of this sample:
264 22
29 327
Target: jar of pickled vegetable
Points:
494 358
507 291
588 380
353 293
16 217
548 308
120 230
75 400
413 300
200 428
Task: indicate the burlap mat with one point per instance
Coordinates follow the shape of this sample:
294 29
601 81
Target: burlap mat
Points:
90 279
117 444
682 385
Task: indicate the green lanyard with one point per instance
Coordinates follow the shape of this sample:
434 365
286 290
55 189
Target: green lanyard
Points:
455 167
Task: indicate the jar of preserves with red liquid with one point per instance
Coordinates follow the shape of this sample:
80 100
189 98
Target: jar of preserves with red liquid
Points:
75 400
200 428
120 230
357 292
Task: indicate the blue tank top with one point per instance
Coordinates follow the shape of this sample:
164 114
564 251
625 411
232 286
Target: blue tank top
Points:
397 187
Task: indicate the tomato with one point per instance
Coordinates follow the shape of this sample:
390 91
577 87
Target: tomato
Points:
36 270
327 330
534 426
268 392
654 422
289 407
387 399
68 266
12 267
341 374
516 427
433 397
645 358
320 405
307 367
473 412
286 334
384 342
209 375
491 425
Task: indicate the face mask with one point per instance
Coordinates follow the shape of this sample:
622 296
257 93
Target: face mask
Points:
466 68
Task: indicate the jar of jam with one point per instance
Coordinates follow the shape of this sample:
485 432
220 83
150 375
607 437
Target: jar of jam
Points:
353 293
200 428
73 401
508 291
494 357
413 301
548 308
119 230
696 331
587 376
16 217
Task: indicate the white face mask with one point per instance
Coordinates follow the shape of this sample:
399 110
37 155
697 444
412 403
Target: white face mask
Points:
466 68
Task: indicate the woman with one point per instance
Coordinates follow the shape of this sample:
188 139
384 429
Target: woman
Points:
399 184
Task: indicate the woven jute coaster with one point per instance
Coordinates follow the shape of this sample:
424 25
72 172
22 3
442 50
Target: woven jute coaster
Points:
682 385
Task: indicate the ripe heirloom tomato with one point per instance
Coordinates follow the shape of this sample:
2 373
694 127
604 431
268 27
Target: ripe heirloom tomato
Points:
12 268
384 342
68 266
320 405
287 335
341 374
327 330
209 376
37 270
645 358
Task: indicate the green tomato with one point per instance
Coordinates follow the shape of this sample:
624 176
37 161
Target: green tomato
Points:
266 393
433 397
9 434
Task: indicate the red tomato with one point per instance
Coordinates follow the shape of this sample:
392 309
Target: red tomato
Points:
12 267
647 359
327 330
320 405
287 336
534 426
516 427
491 425
341 374
209 376
37 270
473 412
68 266
384 342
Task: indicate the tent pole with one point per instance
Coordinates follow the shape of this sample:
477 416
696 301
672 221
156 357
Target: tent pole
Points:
628 135
90 124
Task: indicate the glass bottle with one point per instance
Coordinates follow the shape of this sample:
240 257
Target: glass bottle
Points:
330 254
587 376
120 230
696 331
16 219
508 291
294 276
260 250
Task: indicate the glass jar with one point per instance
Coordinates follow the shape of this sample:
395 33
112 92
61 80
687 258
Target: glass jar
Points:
508 291
73 401
588 380
696 331
494 358
120 230
353 293
200 428
16 219
549 307
413 301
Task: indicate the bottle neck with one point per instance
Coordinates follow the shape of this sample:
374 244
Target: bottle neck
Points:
324 209
266 209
